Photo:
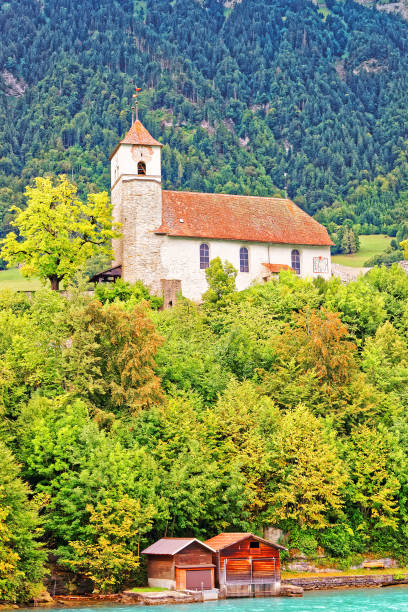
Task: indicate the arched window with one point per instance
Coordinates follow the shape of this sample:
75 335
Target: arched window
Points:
141 168
296 261
204 256
243 259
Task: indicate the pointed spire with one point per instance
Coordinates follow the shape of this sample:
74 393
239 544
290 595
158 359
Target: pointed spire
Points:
138 135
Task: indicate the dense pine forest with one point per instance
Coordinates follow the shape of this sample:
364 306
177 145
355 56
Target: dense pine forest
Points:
256 97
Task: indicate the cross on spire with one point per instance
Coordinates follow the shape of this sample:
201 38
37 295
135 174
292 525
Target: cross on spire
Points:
136 96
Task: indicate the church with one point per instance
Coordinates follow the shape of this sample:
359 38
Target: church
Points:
169 237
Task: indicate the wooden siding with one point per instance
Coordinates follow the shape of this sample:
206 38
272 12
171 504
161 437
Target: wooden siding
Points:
242 550
193 554
180 579
160 566
262 569
242 564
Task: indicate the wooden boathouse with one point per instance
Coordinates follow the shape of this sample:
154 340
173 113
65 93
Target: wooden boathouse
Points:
180 563
245 565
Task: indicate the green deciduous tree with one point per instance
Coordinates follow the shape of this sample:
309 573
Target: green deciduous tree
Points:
375 460
57 232
308 475
110 555
221 283
21 558
76 464
110 357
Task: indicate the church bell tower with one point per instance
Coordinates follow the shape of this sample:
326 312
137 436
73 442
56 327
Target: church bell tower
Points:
137 204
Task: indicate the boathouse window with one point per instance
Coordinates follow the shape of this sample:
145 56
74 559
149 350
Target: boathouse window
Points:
204 256
243 259
296 261
141 168
254 545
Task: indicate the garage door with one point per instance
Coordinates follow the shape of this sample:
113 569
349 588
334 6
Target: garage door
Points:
198 579
238 570
263 569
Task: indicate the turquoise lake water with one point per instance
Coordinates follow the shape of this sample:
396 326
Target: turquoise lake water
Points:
357 600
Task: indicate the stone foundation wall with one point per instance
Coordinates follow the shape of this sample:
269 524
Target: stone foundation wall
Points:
347 274
338 582
162 598
171 289
162 583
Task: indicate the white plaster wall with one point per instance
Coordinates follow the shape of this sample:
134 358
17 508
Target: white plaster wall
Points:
126 158
181 257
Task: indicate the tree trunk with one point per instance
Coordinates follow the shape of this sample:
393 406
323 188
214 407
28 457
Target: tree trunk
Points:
55 281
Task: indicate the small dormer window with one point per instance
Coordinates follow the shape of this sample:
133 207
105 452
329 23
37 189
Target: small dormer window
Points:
141 168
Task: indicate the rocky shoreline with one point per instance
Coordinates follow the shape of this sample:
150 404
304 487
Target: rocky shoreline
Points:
290 587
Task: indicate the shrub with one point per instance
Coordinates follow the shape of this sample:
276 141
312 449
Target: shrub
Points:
124 292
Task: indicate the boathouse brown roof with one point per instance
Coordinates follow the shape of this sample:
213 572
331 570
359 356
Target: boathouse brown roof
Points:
224 540
237 217
171 546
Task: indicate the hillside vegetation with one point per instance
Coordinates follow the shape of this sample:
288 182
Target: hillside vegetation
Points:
256 97
284 405
369 247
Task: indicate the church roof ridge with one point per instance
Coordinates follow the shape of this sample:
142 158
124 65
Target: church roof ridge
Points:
232 195
192 214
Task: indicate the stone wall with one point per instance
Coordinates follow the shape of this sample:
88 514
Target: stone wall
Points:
347 274
117 243
171 289
141 215
162 597
338 582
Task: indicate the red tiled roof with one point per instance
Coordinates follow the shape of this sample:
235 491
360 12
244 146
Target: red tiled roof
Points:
236 217
276 267
138 135
224 540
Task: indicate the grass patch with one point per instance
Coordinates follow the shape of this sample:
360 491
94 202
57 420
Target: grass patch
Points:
353 572
13 279
370 245
148 589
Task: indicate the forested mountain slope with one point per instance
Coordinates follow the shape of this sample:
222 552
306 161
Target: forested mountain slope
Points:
256 97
